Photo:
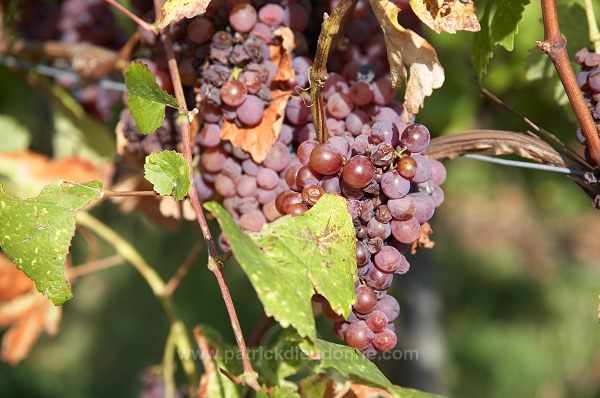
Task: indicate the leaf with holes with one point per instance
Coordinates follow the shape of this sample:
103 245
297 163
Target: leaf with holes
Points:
169 173
292 257
146 100
448 16
35 234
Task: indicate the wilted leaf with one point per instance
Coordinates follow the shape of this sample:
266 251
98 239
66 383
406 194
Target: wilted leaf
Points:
408 51
446 15
423 241
281 55
176 10
293 257
35 234
24 312
169 172
259 140
145 98
28 172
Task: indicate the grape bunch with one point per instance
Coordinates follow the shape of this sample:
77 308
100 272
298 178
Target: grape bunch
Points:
392 190
589 82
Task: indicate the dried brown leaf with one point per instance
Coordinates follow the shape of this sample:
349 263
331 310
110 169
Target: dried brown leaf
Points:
411 58
33 171
176 10
362 391
257 141
447 15
25 312
423 241
13 282
282 55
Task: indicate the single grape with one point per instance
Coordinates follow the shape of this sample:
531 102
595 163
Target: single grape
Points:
233 93
361 93
362 254
339 105
389 306
407 167
393 185
424 206
325 159
377 279
278 157
307 176
210 135
225 186
424 169
304 151
365 299
384 131
415 137
252 221
376 229
406 231
377 321
267 179
246 186
271 14
385 340
387 259
402 209
312 193
359 335
251 111
242 17
358 172
296 209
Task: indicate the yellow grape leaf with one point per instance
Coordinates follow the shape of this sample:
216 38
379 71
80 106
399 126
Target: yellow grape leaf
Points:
447 15
176 10
411 58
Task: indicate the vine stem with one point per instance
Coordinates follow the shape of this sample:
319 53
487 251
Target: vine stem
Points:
592 25
156 284
145 25
250 376
129 193
555 46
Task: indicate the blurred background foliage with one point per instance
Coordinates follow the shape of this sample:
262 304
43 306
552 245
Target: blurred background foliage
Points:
503 306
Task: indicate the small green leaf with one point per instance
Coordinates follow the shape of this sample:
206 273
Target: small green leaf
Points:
35 234
354 366
499 25
146 99
169 173
15 136
293 257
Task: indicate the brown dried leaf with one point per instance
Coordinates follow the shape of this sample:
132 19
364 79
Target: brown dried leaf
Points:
25 312
362 391
13 282
447 15
423 241
282 55
408 51
176 10
30 171
258 140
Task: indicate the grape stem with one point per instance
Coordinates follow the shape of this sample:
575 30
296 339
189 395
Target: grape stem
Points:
318 71
108 193
592 25
250 376
556 47
95 265
143 24
183 269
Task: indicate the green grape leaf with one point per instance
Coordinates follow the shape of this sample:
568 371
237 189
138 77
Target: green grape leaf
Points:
35 234
145 98
281 359
15 136
317 385
293 257
499 25
217 354
353 365
169 173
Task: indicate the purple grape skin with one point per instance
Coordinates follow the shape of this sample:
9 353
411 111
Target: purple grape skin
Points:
393 185
388 259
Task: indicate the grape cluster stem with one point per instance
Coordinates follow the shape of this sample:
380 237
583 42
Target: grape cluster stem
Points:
556 47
